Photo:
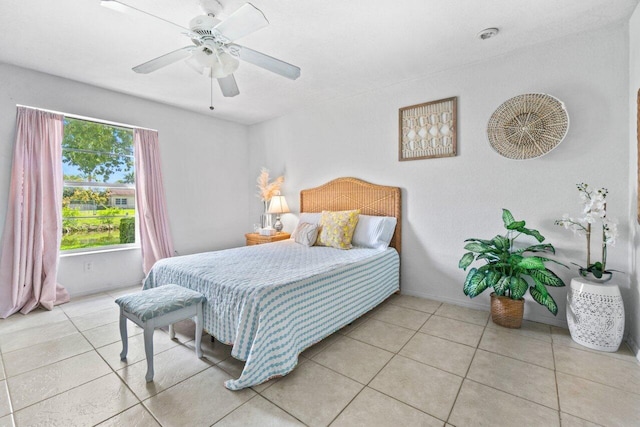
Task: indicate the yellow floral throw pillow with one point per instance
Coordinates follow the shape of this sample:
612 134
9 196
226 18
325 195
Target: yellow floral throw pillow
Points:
337 228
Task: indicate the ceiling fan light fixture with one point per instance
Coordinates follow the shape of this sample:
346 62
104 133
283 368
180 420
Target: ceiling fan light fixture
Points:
213 64
227 65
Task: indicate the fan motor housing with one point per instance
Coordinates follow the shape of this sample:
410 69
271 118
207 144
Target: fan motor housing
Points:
203 24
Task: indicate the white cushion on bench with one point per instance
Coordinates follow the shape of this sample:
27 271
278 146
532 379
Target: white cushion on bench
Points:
158 301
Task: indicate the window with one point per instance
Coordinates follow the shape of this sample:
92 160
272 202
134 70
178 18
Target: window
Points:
99 181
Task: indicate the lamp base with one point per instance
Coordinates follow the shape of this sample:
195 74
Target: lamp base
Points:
278 224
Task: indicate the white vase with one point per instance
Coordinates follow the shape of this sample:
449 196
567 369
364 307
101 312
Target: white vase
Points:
266 219
595 314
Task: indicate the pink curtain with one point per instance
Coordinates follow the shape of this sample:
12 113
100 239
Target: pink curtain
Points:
33 225
155 236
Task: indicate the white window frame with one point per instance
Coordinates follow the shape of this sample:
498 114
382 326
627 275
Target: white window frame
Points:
84 184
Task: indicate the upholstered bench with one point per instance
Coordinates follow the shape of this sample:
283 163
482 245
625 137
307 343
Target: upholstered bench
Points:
155 308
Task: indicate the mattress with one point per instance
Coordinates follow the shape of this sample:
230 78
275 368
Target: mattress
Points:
270 302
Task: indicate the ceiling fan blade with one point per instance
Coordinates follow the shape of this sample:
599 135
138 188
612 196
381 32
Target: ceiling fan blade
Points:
228 86
243 21
164 60
125 8
267 62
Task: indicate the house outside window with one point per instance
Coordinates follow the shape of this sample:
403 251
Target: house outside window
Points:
98 206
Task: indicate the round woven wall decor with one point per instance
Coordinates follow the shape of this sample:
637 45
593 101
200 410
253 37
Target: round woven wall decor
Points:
528 126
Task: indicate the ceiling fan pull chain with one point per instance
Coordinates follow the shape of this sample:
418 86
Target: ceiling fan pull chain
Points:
211 103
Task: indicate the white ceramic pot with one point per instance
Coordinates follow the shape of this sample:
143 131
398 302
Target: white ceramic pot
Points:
595 314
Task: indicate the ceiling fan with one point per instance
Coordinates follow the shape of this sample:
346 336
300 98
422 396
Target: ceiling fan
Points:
214 52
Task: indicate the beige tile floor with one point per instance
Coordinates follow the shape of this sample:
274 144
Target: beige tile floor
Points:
410 362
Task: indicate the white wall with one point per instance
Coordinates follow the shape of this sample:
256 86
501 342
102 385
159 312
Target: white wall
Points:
204 166
447 200
632 298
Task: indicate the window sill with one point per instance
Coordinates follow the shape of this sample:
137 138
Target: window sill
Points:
82 252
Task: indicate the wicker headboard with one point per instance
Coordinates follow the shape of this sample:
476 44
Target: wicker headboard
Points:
351 193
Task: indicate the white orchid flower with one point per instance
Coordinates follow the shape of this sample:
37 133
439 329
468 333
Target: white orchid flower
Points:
610 228
594 209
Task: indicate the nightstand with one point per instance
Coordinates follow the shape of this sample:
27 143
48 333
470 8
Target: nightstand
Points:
257 239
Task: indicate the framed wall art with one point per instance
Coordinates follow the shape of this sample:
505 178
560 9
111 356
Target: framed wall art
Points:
428 130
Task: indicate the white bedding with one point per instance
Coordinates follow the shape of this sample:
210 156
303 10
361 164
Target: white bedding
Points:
272 301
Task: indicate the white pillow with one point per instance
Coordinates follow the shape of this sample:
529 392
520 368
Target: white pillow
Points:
309 218
306 234
374 231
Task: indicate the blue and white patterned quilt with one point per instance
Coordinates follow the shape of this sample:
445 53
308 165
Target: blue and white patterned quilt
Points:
273 301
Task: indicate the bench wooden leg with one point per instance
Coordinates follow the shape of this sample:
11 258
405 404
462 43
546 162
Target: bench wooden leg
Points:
148 349
123 336
199 330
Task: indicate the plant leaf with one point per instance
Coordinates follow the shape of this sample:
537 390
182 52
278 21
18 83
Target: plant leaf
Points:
476 285
466 260
470 275
532 263
540 295
507 218
477 247
546 247
493 277
484 241
483 269
500 242
501 285
518 287
515 259
488 256
534 233
501 265
516 225
546 277
596 269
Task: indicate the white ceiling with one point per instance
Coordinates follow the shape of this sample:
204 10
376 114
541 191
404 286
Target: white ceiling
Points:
343 47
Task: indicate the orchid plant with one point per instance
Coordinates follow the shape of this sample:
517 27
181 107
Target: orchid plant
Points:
594 208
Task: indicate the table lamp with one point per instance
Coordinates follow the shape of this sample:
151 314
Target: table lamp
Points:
278 206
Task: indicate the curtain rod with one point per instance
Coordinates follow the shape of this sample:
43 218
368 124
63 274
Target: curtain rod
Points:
91 119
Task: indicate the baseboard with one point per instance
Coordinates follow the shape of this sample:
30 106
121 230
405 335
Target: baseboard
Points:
468 304
562 323
106 289
634 347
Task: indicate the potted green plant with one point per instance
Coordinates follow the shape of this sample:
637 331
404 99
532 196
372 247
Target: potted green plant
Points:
510 271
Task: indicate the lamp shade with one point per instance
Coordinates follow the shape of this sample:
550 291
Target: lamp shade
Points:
278 205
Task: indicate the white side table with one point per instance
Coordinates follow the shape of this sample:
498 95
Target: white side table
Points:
595 314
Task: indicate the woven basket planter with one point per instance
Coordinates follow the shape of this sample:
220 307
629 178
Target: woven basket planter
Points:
507 312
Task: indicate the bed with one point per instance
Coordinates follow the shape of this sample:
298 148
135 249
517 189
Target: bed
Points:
271 302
